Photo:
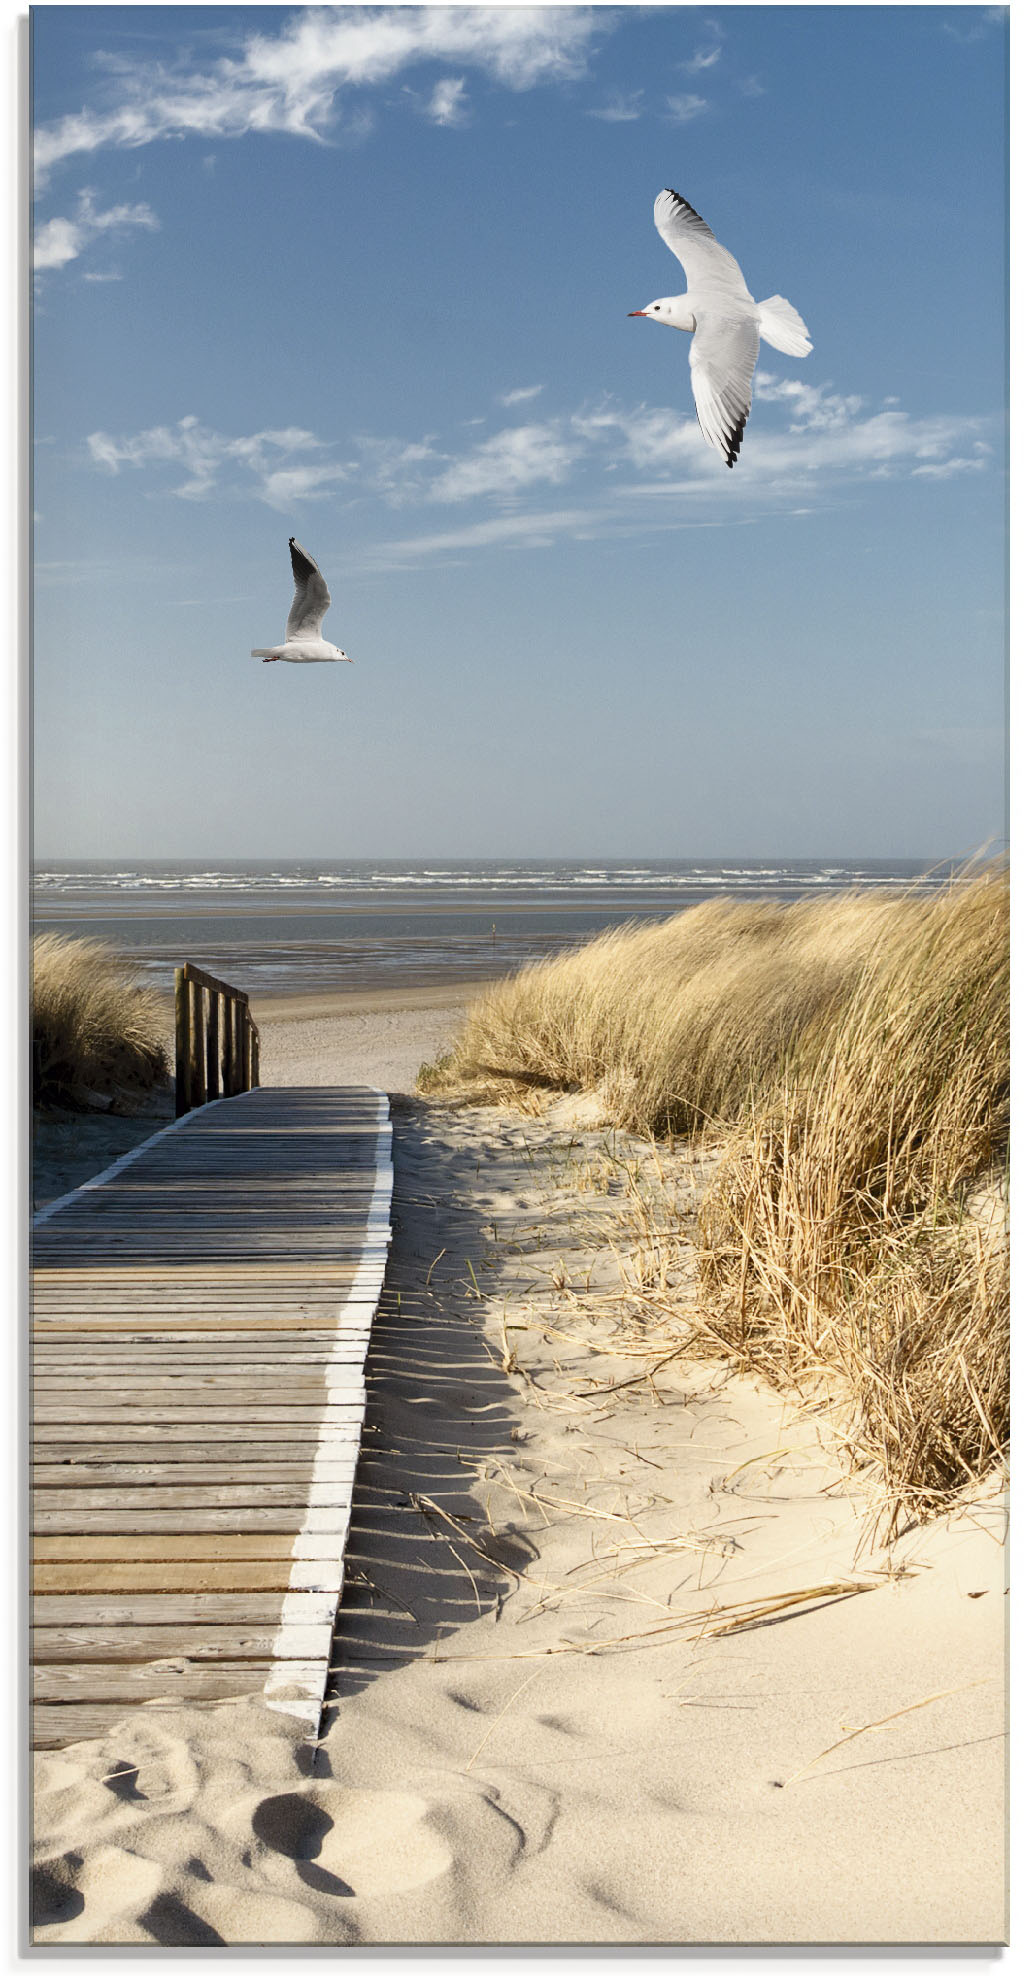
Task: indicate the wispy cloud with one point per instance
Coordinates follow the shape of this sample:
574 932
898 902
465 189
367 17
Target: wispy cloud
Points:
946 469
204 454
447 103
296 80
285 487
705 58
623 106
62 240
537 531
627 466
520 396
682 109
517 458
983 19
813 406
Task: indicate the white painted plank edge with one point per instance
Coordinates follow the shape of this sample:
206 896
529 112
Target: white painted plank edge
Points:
100 1179
364 1291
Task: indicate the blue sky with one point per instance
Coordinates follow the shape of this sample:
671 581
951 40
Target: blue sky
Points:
363 275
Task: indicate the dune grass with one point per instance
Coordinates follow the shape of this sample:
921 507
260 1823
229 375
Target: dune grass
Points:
850 1054
854 1223
95 1031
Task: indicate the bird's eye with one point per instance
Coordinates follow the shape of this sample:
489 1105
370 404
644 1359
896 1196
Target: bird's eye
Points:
657 308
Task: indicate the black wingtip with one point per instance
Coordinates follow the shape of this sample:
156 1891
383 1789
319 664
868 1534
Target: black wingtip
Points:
735 442
687 208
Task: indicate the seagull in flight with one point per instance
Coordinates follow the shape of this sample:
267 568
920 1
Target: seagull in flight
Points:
303 644
725 321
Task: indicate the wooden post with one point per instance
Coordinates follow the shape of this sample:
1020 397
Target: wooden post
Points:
198 1049
182 1050
213 1047
217 1043
236 1048
226 1047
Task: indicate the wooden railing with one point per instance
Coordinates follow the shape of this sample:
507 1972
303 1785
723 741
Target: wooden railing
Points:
217 1043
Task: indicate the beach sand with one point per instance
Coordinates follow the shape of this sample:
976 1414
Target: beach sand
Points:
539 1731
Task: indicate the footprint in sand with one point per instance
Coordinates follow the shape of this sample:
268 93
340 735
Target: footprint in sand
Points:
69 1801
56 1895
138 1770
93 1901
148 1766
174 1924
352 1843
241 1916
294 1824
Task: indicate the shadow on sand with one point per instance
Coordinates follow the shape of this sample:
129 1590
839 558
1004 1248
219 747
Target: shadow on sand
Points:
422 1557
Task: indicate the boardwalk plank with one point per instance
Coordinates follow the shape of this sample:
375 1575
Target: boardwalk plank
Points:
176 1680
201 1316
53 1726
312 1429
136 1576
134 1642
244 1497
190 1474
168 1608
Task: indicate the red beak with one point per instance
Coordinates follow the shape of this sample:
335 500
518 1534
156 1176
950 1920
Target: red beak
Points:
638 312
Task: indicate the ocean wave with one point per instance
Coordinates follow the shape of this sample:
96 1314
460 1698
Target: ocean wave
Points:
483 880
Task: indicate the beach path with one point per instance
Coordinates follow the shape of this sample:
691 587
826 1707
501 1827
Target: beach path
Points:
201 1314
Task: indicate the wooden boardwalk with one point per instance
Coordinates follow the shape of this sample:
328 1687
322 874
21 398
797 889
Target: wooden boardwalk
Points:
201 1314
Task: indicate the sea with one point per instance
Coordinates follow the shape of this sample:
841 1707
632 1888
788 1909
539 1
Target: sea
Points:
278 927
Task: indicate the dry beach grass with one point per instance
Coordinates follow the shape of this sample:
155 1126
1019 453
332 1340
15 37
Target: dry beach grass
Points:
850 1057
95 1031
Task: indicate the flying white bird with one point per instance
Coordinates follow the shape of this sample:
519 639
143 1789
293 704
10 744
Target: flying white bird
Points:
725 321
303 644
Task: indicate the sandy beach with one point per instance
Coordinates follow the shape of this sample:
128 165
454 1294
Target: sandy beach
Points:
620 1659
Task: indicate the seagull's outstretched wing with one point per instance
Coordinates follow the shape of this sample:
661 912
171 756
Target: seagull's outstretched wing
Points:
706 264
722 358
309 604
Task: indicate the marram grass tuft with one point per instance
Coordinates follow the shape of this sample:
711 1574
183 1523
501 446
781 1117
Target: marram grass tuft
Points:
850 1055
94 1029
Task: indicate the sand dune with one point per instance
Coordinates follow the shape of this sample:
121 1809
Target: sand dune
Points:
616 1661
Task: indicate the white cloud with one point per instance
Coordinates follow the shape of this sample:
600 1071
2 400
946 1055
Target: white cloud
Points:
646 438
623 106
62 240
285 486
520 396
536 530
945 469
682 109
813 406
504 465
395 468
705 58
205 454
629 467
983 19
292 80
447 104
